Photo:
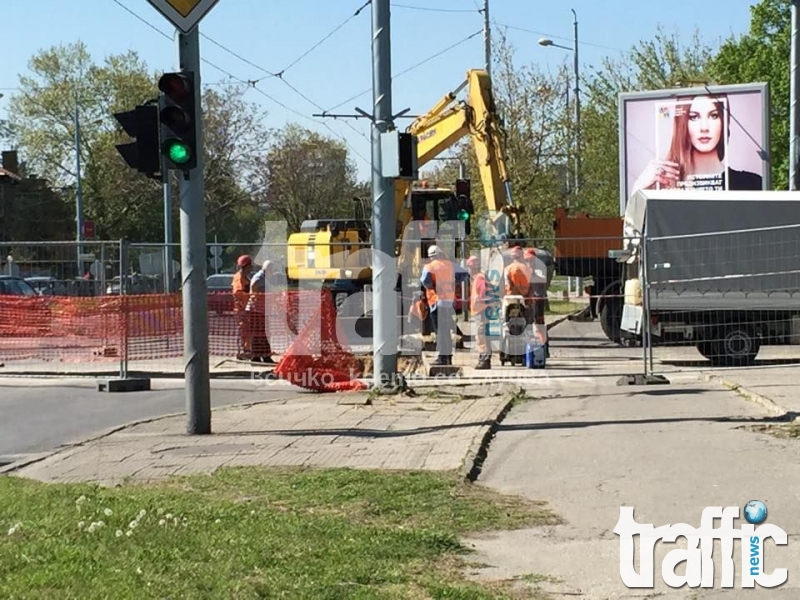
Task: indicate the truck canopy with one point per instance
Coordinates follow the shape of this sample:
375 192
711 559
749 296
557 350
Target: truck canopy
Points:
723 250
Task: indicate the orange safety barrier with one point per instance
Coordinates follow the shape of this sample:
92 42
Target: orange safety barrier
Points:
301 325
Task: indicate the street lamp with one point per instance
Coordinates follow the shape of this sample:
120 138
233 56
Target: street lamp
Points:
548 42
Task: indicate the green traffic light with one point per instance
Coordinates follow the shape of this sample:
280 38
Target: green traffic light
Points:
178 152
463 215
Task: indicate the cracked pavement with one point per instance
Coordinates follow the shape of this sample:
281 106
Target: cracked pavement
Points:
668 451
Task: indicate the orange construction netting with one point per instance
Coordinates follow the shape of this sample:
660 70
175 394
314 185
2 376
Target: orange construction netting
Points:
300 325
316 360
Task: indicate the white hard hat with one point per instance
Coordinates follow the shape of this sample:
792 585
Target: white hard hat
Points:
434 251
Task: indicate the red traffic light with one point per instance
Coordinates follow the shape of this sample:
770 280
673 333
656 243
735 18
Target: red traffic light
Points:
176 86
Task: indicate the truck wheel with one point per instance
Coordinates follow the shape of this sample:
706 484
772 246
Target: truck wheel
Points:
735 346
611 319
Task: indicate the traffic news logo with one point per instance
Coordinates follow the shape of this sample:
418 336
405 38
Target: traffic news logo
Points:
698 554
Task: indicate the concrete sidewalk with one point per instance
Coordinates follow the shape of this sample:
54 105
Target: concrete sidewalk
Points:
441 428
774 388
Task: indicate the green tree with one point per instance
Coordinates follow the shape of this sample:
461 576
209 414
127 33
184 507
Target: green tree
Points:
763 54
235 142
305 175
661 63
122 202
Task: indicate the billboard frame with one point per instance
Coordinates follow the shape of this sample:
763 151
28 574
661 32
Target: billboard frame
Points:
667 93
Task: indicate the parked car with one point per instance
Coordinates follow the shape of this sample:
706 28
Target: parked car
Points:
37 319
220 296
48 286
11 285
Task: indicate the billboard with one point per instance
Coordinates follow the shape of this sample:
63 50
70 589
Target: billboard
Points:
702 138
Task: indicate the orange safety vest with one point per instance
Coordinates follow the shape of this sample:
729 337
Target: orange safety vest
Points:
477 295
241 290
444 281
518 279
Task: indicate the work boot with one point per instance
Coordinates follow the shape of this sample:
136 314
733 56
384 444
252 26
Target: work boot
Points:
441 361
483 364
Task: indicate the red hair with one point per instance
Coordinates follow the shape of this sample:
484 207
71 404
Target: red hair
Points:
681 149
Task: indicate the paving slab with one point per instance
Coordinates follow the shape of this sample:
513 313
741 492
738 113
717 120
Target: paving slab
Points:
438 431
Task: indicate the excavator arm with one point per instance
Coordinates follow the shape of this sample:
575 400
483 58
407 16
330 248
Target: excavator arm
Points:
449 121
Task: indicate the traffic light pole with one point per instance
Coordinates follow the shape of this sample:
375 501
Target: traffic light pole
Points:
167 184
193 261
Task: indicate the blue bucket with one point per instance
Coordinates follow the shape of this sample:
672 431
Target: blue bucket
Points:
535 356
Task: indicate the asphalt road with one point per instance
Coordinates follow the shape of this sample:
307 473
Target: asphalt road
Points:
37 415
588 447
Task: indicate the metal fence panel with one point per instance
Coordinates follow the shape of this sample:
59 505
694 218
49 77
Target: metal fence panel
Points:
727 298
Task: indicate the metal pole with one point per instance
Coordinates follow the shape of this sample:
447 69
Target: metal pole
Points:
579 281
487 39
167 233
78 190
645 324
577 111
193 260
384 275
166 178
123 290
794 113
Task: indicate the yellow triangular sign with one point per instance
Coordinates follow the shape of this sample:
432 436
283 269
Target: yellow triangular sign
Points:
184 7
183 14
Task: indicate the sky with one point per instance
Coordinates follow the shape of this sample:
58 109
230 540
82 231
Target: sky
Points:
324 48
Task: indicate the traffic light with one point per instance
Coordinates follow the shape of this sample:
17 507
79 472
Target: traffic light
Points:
178 120
465 206
141 123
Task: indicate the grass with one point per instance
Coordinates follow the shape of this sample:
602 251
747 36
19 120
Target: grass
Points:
779 430
252 533
563 307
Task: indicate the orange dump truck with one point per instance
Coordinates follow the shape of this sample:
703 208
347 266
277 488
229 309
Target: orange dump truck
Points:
581 247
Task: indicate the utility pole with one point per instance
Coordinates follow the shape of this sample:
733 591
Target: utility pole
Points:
79 191
193 260
384 275
794 113
577 111
487 39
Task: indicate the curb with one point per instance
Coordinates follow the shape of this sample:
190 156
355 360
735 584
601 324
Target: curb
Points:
479 450
16 466
767 403
39 457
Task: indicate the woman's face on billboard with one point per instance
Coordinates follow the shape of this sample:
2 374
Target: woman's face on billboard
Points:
705 124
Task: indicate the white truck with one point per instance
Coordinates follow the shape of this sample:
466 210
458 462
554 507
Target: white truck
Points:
717 270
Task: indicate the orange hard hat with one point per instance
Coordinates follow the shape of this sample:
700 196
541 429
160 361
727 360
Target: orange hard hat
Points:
244 261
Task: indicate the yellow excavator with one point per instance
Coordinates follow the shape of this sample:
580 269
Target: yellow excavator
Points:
336 252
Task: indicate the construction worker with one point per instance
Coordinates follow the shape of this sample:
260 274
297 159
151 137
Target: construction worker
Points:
439 279
478 305
538 294
517 275
256 307
241 294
